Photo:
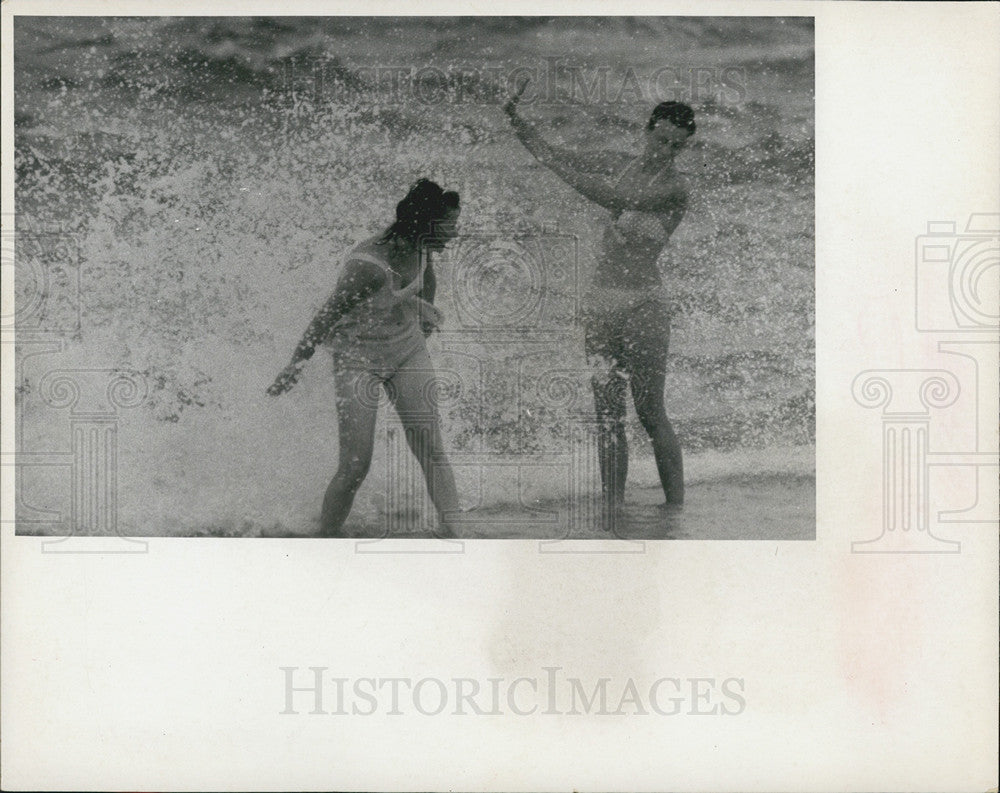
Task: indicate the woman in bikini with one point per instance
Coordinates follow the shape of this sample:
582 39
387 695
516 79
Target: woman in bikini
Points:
375 324
626 321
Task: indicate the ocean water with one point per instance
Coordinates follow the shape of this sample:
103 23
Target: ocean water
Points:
186 188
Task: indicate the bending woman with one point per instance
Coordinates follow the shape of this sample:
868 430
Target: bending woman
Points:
626 321
375 324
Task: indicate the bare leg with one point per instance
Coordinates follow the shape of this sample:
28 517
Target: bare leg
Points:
411 393
649 336
612 445
357 400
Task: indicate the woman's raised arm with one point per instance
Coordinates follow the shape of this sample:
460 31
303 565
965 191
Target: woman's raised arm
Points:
596 187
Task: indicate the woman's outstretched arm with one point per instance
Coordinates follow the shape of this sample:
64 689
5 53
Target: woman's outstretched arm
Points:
359 281
597 188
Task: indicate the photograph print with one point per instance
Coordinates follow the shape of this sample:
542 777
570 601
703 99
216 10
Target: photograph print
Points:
545 278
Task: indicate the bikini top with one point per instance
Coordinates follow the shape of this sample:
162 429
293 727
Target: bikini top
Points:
387 295
387 306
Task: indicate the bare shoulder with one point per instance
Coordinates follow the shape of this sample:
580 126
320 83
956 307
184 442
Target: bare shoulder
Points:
364 265
370 248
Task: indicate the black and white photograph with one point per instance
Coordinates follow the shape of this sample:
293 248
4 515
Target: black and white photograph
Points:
510 397
425 277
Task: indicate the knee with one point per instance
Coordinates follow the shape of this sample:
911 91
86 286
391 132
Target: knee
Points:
352 472
652 415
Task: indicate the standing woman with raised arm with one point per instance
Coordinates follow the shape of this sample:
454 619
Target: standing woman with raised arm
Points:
626 319
375 324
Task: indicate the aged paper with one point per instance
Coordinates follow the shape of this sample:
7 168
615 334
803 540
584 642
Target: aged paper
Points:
820 616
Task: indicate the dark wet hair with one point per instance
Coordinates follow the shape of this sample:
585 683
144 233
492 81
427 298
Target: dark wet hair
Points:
677 113
425 204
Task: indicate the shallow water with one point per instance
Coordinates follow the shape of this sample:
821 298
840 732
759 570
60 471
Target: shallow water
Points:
187 187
